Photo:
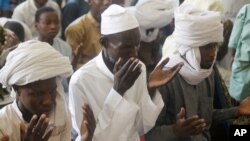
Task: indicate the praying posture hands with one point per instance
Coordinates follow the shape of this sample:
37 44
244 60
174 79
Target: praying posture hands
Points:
159 76
36 130
126 74
188 126
88 124
76 56
244 108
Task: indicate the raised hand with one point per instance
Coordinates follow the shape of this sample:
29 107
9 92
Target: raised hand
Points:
36 130
188 127
161 77
88 124
244 108
76 55
126 75
5 138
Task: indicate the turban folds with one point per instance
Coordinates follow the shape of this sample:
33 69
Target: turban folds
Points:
194 28
32 61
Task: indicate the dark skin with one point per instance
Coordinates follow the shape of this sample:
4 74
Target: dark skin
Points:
120 56
97 7
208 53
195 125
188 126
48 26
88 124
35 101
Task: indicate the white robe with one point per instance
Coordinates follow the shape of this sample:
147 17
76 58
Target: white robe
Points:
117 118
11 117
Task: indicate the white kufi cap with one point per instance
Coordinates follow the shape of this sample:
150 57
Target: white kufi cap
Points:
116 19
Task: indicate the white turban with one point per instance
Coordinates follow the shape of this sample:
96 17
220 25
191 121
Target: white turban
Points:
116 19
194 28
155 13
32 61
170 44
211 5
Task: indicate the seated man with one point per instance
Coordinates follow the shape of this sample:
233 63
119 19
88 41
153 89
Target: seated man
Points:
188 112
114 83
83 33
34 71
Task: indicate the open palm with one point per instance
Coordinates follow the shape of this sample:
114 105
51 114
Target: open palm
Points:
160 77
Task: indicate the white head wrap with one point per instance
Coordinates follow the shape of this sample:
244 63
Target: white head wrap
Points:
116 19
153 14
194 28
170 45
211 5
32 61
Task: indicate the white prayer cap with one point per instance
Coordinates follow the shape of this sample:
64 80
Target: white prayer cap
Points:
116 19
32 61
211 5
155 13
195 27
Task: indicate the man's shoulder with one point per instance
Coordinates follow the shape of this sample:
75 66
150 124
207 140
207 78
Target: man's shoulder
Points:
87 69
22 6
79 22
78 25
63 43
6 113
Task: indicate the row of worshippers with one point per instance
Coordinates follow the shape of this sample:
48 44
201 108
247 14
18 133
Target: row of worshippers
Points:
25 13
189 95
86 47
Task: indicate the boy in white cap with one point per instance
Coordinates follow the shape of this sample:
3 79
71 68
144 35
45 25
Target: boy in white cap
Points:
34 71
188 112
114 83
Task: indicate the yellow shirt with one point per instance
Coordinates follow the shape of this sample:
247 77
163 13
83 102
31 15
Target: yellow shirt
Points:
86 31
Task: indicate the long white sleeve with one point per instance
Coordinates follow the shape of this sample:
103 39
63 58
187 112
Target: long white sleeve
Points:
117 118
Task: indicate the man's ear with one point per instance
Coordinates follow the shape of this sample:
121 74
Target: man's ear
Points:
36 25
104 41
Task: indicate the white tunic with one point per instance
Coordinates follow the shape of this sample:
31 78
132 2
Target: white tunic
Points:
11 117
117 118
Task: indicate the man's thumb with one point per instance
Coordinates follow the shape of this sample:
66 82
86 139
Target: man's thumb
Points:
22 130
181 114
